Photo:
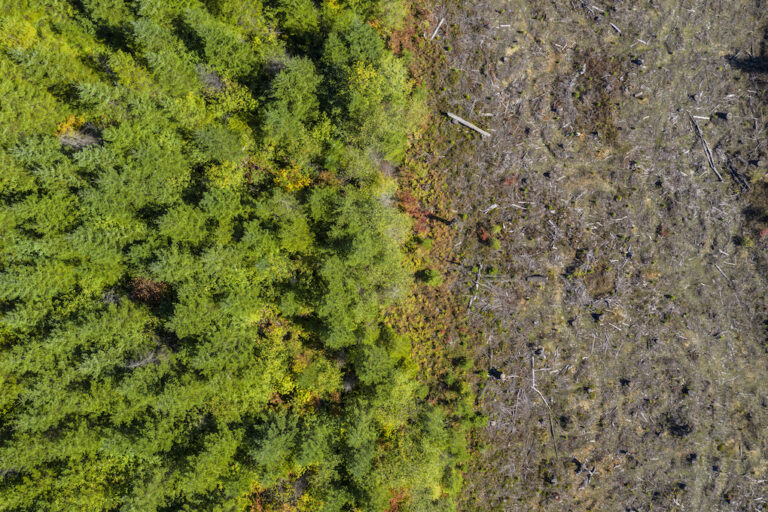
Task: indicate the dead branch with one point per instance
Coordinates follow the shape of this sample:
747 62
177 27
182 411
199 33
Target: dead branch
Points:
477 285
468 124
722 273
706 146
549 410
438 28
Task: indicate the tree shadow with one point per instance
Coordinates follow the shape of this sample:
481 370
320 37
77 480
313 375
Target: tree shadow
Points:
756 65
753 64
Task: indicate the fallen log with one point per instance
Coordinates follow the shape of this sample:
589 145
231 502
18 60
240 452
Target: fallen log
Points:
468 124
438 28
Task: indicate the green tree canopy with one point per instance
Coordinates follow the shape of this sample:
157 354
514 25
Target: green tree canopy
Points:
196 247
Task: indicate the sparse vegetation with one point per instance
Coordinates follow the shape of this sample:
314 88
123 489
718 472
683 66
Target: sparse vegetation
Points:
630 284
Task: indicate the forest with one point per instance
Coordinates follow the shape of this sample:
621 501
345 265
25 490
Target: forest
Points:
199 239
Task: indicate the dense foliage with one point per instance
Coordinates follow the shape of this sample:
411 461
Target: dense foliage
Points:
196 247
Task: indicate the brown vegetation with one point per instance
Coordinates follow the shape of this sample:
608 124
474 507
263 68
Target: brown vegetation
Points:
144 290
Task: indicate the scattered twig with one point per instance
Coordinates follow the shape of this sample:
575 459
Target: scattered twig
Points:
722 273
477 286
438 28
615 28
738 178
590 473
549 410
706 147
468 124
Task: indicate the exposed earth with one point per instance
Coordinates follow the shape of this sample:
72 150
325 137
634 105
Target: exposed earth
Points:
609 245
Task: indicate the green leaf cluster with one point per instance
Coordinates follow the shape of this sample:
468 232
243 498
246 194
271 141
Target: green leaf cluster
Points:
196 248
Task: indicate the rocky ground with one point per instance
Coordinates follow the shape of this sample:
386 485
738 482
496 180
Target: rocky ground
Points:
610 236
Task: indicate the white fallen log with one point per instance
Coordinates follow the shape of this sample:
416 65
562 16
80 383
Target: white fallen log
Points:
468 124
438 28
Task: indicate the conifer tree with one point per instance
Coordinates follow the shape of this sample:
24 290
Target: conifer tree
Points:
190 308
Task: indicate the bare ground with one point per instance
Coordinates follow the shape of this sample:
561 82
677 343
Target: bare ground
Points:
622 313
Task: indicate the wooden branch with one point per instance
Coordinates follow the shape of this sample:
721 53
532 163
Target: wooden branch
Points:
468 124
722 273
549 410
477 285
438 28
706 147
